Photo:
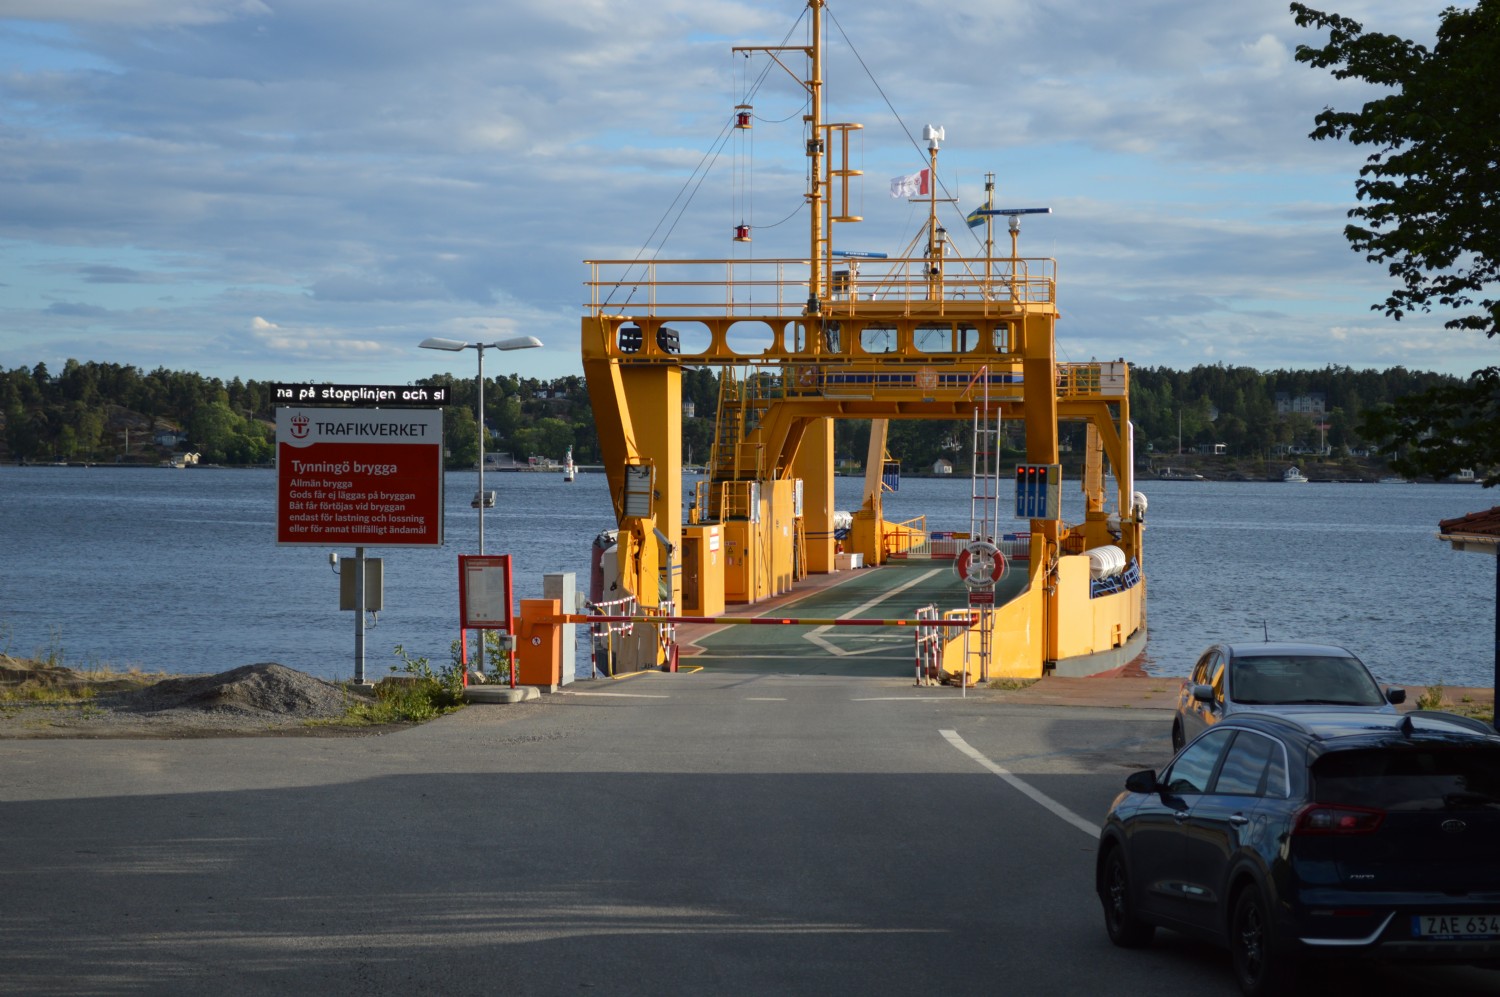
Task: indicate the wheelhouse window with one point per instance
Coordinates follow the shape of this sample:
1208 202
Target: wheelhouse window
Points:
879 340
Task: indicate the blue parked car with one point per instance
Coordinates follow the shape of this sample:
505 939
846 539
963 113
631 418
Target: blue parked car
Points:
1282 677
1335 834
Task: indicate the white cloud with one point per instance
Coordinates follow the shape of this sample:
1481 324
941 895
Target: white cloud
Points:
373 173
133 12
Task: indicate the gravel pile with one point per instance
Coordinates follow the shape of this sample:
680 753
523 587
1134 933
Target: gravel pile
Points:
265 689
254 700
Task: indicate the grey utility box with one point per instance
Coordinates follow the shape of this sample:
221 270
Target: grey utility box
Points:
564 588
374 583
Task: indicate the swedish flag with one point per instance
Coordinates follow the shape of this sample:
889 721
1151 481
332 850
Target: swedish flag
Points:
975 219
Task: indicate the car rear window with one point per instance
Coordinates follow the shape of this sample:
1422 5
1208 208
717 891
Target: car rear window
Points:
1303 679
1410 777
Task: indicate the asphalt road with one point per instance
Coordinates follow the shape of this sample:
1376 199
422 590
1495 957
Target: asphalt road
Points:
710 833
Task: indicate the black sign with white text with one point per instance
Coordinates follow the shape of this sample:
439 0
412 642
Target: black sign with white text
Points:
364 395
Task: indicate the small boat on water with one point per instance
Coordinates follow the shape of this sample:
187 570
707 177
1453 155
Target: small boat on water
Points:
1294 476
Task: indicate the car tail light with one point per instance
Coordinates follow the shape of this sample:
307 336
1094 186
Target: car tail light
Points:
1324 818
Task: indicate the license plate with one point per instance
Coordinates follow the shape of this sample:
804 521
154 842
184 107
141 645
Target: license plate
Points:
1455 926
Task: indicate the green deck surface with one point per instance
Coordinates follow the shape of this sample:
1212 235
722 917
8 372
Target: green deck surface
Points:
893 591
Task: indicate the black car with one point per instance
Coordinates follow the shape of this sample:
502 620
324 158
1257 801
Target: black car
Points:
1333 834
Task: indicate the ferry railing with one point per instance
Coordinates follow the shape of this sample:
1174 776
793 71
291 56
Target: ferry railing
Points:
934 632
602 634
928 639
666 633
748 287
1015 546
1094 379
718 501
904 539
943 545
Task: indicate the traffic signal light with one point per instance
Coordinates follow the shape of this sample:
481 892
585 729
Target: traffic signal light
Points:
1038 491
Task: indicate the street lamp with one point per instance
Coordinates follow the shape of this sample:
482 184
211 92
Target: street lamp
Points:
454 345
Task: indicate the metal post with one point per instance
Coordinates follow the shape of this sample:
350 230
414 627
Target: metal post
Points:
479 660
455 345
359 616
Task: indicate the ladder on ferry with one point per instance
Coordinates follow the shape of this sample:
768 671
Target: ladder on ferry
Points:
984 503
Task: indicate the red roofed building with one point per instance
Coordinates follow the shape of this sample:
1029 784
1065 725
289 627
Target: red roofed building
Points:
1478 531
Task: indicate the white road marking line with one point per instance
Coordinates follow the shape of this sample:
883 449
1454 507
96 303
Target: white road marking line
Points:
1040 797
615 695
815 635
765 699
906 699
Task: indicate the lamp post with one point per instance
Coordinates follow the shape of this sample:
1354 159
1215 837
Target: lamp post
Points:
481 499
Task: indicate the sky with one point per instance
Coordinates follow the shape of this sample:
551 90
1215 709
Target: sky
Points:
291 190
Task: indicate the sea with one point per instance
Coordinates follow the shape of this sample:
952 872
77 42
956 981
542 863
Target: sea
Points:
178 570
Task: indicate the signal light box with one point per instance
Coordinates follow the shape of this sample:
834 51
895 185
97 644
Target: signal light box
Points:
1038 491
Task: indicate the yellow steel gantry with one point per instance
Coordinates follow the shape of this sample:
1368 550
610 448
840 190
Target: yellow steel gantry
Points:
835 338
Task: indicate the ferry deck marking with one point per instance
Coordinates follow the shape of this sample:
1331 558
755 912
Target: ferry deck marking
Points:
952 737
815 635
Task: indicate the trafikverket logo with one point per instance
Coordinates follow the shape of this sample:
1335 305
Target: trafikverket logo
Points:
299 426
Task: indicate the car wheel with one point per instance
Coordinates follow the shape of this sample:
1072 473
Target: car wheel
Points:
1125 927
1260 965
1178 740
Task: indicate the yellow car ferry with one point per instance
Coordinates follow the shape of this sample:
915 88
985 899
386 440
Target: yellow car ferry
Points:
928 333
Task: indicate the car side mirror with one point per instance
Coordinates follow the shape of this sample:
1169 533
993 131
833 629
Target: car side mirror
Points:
1143 781
1394 696
1203 693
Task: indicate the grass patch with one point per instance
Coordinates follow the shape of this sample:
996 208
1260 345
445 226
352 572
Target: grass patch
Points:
414 694
30 692
1012 685
32 681
1431 698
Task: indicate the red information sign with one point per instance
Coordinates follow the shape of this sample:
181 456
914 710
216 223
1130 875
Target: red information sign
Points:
359 477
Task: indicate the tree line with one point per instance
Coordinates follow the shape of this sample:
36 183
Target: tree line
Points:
113 413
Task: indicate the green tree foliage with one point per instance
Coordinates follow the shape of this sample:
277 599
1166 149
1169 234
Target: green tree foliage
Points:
46 417
1445 430
1428 208
1238 406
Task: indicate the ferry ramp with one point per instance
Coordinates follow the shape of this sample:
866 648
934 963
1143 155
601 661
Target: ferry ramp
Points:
895 590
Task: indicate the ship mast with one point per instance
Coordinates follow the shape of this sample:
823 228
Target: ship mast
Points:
815 152
818 249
